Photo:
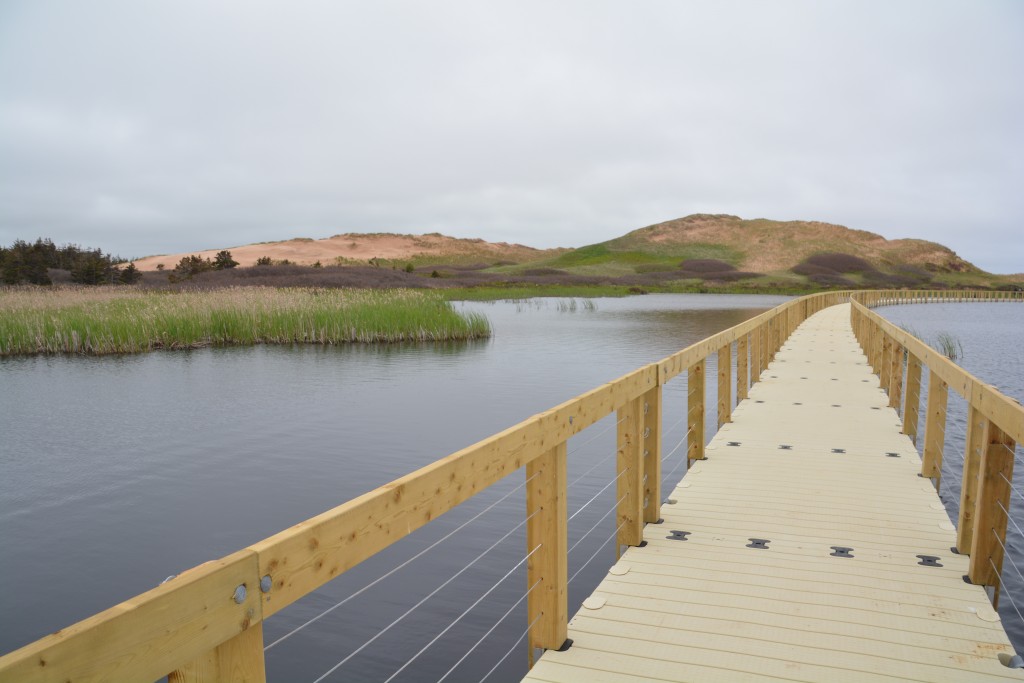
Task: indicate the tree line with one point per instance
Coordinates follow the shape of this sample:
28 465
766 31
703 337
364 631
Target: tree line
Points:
30 263
25 262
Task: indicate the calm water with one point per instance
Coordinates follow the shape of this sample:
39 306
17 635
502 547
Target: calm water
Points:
119 472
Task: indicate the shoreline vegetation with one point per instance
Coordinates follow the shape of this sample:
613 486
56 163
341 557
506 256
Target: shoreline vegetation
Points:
110 320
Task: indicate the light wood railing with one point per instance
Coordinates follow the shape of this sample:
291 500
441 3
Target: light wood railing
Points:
995 422
206 624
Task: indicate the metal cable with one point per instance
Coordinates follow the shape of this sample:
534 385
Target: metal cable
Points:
1006 555
678 446
418 604
603 489
466 611
591 558
603 517
514 646
604 431
1012 487
1007 593
411 559
491 630
1012 520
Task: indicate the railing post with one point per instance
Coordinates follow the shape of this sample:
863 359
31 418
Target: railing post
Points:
766 342
976 431
884 369
755 355
630 471
934 428
695 411
652 453
912 398
724 385
547 569
993 503
895 374
742 368
239 660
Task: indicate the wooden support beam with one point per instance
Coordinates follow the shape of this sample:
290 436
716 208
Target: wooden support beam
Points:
652 455
695 411
239 660
630 473
976 432
895 375
742 368
912 397
755 355
724 385
884 366
934 428
548 603
993 496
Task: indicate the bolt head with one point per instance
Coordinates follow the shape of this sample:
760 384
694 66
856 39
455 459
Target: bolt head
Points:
240 594
266 583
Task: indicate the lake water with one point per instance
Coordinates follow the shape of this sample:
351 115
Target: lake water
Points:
118 472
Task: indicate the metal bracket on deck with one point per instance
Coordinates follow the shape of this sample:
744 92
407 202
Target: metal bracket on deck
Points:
838 450
890 454
759 543
733 443
841 551
565 646
785 447
678 535
929 561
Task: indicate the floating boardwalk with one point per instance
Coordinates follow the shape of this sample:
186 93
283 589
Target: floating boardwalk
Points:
806 542
805 547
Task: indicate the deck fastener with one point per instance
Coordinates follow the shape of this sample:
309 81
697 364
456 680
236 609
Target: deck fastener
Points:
929 561
239 595
841 551
759 543
266 583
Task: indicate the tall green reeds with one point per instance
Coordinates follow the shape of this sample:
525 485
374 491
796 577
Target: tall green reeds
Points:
124 320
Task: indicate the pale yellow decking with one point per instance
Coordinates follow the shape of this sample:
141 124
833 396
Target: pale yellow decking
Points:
712 609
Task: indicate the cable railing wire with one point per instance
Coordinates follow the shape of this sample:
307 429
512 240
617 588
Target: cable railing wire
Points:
596 495
597 523
404 564
511 649
418 604
599 549
576 448
466 611
1007 593
491 630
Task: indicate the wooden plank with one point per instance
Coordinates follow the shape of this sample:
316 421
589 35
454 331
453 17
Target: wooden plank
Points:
934 428
724 385
144 638
742 369
546 537
309 554
912 402
976 431
695 411
239 660
896 374
993 503
629 482
652 455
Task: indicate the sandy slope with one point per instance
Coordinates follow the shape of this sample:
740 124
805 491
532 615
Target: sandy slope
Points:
361 247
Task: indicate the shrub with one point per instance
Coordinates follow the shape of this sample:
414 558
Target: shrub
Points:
263 261
706 265
223 261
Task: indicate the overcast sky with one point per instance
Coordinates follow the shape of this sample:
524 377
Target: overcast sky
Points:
149 127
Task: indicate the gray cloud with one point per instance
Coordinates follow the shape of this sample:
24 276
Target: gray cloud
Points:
168 126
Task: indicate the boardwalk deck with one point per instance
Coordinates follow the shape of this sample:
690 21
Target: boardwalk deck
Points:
813 461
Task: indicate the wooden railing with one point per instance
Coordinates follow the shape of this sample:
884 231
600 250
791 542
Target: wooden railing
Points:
995 422
206 624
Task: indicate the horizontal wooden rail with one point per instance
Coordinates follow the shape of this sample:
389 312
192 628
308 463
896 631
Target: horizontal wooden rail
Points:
995 422
206 625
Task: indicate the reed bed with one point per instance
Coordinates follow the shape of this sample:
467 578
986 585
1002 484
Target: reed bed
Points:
127 320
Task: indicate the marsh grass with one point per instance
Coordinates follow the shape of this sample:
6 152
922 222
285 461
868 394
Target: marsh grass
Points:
128 320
